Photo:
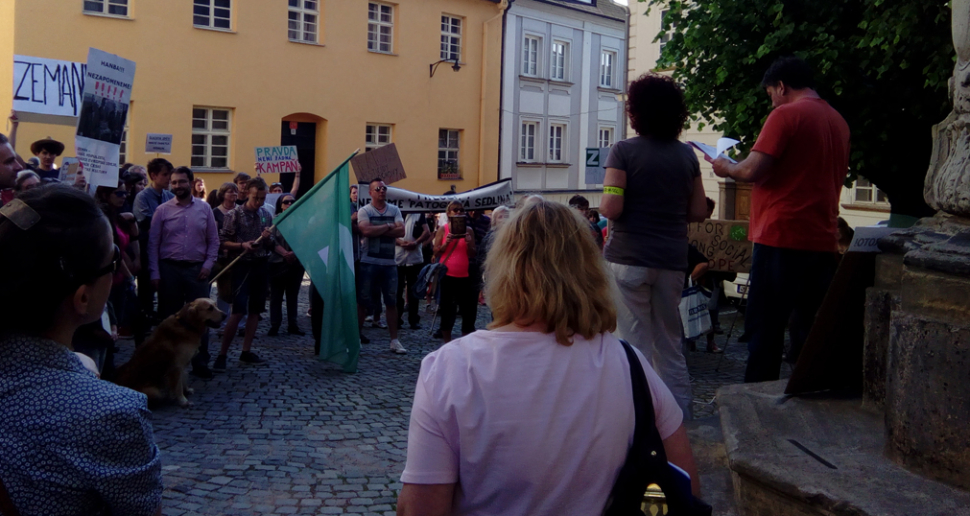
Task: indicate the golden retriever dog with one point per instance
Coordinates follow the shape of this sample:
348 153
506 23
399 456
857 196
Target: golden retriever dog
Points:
157 368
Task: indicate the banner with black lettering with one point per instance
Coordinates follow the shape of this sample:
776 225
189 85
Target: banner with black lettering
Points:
47 90
486 197
104 109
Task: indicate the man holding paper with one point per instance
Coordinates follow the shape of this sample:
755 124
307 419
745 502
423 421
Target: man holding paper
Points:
798 166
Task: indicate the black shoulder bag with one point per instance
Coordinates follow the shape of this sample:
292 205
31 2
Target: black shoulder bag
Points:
646 461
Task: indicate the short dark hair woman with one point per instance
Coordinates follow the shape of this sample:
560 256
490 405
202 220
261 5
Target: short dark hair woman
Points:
89 440
653 188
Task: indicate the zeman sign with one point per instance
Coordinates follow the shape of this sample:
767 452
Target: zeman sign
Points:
724 242
485 197
47 87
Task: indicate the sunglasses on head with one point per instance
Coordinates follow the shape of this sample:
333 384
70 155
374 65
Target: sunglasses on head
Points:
276 184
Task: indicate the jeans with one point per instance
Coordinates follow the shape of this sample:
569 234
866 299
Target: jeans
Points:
377 281
179 285
648 317
407 276
787 288
285 279
458 295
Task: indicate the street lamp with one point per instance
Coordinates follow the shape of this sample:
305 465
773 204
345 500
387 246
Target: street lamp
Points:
455 67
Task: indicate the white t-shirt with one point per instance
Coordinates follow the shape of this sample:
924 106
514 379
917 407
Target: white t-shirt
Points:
414 227
529 426
378 250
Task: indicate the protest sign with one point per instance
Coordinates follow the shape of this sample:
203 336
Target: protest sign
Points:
866 238
724 242
382 162
47 90
158 143
596 164
485 197
276 160
68 171
104 109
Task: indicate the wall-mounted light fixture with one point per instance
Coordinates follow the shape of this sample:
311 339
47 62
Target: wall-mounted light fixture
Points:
455 67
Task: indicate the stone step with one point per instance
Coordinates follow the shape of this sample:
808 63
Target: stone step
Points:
819 456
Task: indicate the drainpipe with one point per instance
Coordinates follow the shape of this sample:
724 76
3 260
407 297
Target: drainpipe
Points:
501 92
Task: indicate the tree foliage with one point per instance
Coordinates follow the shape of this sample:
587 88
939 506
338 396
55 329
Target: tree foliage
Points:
883 64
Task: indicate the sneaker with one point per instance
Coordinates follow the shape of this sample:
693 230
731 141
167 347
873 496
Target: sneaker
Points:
369 319
379 323
294 330
250 358
273 332
220 364
202 372
397 347
364 339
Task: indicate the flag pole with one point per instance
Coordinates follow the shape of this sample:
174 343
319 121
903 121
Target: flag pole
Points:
227 267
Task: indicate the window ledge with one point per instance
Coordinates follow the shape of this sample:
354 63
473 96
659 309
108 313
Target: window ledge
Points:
105 15
609 90
878 208
538 164
382 53
555 82
558 165
203 170
533 78
214 29
311 43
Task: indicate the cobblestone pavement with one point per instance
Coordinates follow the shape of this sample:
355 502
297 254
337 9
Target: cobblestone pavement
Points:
298 436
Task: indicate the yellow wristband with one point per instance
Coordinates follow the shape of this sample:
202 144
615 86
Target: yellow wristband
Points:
615 190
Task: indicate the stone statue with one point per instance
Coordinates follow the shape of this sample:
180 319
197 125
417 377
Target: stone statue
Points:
947 186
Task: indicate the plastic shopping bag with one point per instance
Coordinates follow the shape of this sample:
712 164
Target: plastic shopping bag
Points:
694 313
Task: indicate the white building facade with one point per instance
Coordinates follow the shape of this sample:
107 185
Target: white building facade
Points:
563 79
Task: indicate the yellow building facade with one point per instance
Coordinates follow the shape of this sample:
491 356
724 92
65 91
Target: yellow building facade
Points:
330 76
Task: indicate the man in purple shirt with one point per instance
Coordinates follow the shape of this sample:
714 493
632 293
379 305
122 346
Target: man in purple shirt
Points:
183 245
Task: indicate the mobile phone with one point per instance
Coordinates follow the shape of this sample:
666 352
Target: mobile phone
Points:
456 225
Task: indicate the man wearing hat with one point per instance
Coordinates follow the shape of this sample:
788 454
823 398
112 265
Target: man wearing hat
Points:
47 150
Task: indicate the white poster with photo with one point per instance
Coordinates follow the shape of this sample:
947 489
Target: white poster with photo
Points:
104 109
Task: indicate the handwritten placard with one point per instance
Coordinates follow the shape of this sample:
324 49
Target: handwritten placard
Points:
47 88
724 242
158 143
382 162
273 160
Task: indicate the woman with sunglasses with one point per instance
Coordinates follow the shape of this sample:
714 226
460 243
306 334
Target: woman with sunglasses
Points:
459 291
72 444
285 278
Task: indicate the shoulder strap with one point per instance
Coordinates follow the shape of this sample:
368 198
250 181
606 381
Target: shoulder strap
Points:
445 258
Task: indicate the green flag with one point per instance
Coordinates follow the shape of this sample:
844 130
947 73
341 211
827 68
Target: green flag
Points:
317 227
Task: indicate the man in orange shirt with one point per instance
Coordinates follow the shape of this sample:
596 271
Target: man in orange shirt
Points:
798 166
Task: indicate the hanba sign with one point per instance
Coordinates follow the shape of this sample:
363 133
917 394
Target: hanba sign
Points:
724 242
47 87
158 143
277 160
104 110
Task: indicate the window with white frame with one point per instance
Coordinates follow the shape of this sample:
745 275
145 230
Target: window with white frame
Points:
212 14
450 38
606 135
527 144
113 7
865 192
559 58
377 135
665 37
607 69
530 55
210 137
448 143
380 27
557 135
303 20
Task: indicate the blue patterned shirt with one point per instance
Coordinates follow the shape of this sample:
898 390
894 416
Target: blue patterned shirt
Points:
72 444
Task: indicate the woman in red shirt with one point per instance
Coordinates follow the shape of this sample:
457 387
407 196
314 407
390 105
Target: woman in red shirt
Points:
459 291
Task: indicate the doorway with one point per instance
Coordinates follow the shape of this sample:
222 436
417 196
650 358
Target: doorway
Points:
304 137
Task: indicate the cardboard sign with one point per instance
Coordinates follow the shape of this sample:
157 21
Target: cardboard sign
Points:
68 171
158 143
47 90
724 242
382 162
866 239
485 197
104 110
277 160
596 165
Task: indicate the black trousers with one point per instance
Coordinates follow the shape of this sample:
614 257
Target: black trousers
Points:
285 279
407 276
180 285
459 295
